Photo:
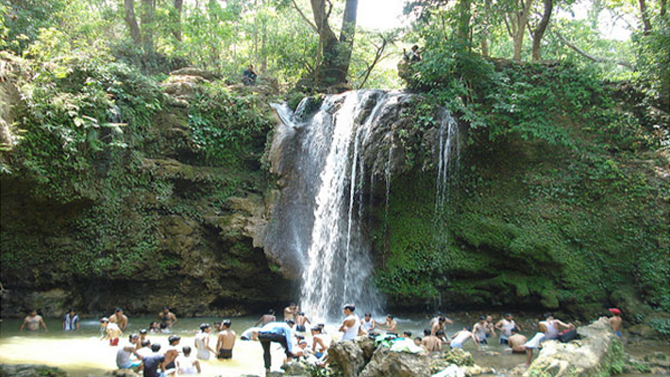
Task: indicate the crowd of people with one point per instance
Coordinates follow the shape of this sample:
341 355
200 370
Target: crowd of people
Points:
153 360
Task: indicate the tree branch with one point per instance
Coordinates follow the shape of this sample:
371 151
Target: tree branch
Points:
310 23
590 57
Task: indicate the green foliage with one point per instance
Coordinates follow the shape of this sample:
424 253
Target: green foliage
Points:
227 127
662 326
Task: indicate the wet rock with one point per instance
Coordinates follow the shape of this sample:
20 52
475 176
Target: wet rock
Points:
348 356
29 370
296 368
456 356
191 71
385 362
642 330
122 373
658 359
598 352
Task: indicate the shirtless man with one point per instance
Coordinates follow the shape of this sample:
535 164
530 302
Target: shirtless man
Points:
351 325
517 341
202 342
266 318
616 321
505 327
226 342
120 319
431 342
167 317
490 328
291 311
439 318
300 321
480 329
391 326
33 321
439 324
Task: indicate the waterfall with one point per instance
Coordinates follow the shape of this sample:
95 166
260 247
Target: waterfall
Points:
449 151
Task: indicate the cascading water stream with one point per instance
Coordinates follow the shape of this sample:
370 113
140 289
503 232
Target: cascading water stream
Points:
448 157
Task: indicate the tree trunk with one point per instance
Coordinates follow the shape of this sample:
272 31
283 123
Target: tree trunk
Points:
464 16
178 4
335 60
541 28
520 31
131 20
148 9
646 24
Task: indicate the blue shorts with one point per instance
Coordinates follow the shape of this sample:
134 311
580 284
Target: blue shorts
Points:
618 334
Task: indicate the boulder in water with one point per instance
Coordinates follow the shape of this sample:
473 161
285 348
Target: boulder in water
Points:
348 356
397 364
599 352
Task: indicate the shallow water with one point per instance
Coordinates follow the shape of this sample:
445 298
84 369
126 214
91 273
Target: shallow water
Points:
81 353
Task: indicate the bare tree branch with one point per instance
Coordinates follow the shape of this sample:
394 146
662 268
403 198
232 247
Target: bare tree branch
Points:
590 57
310 23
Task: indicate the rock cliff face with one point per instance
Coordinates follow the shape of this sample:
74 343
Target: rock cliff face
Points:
163 226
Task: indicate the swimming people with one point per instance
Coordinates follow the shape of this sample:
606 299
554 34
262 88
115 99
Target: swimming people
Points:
202 342
431 342
461 337
266 318
71 321
110 331
300 321
351 324
154 362
225 342
123 354
480 329
505 326
367 323
291 311
119 318
390 325
185 364
548 331
33 321
278 332
167 317
616 321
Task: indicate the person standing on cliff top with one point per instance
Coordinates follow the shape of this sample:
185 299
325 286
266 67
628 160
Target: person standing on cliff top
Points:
291 311
266 318
167 317
616 321
33 321
225 342
120 319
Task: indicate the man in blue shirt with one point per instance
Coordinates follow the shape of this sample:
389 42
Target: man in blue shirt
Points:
249 76
278 332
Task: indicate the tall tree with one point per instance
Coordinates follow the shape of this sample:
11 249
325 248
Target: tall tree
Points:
334 53
516 23
176 31
147 21
541 28
131 21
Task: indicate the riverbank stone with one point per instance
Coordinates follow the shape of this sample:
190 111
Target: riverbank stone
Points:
29 370
385 362
598 353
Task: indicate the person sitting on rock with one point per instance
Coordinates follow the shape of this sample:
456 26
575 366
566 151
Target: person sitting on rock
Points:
249 76
548 331
414 55
616 321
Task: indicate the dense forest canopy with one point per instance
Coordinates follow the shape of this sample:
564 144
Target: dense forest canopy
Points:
319 41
